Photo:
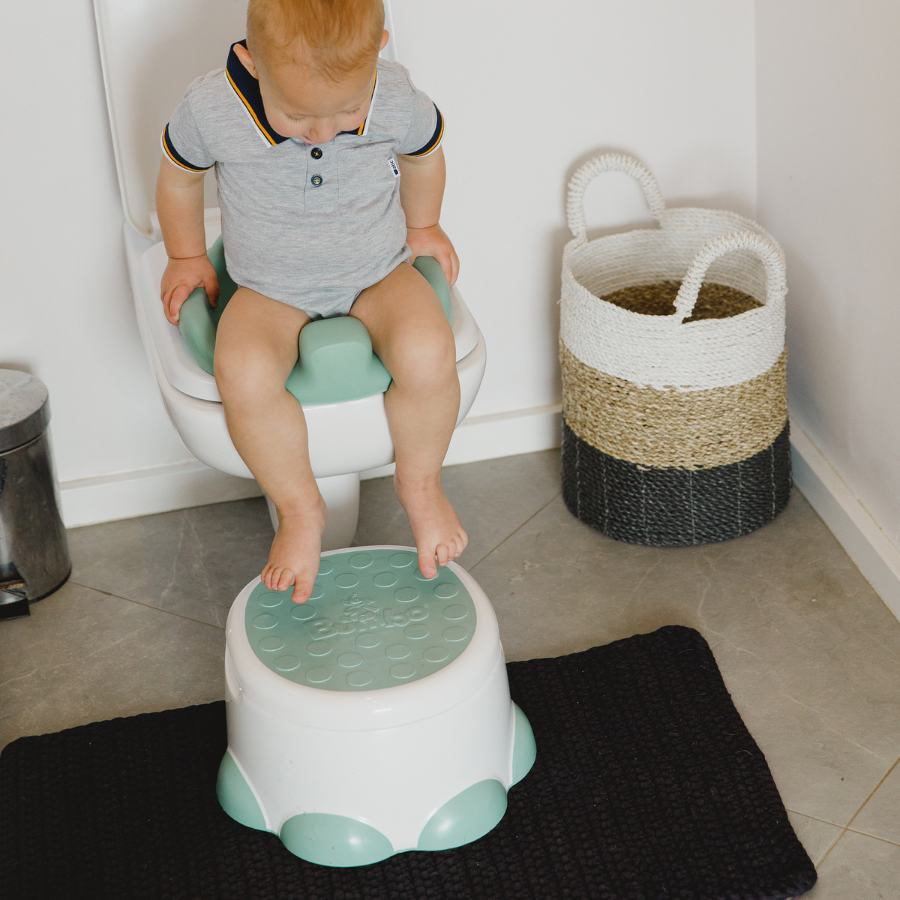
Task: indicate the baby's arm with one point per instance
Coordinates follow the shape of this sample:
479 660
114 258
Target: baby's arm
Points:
421 192
179 205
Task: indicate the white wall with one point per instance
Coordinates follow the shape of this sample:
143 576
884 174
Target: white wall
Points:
829 188
528 91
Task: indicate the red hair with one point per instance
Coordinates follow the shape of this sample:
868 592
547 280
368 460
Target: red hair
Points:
332 37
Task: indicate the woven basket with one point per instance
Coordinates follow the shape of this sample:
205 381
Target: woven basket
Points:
675 422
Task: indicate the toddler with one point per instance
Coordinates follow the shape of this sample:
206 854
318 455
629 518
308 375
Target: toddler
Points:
330 178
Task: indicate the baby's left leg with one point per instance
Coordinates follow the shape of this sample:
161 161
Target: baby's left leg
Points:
413 339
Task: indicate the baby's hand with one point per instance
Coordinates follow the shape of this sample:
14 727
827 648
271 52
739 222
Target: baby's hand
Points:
432 241
180 279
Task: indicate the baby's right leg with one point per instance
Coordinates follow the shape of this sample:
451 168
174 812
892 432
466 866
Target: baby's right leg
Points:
256 348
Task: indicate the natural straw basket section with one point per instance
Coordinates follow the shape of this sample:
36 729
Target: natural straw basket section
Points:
675 421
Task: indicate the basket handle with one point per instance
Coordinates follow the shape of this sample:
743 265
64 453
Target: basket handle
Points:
762 246
609 162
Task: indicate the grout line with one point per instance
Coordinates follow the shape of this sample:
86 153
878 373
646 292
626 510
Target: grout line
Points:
846 828
834 844
168 612
515 531
797 812
872 792
875 837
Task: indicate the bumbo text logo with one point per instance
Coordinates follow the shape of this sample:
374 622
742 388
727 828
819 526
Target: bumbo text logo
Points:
364 614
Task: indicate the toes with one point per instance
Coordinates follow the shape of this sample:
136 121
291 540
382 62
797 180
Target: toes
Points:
443 554
285 578
302 590
426 565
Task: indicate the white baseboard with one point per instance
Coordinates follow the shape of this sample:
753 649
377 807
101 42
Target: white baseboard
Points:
848 520
124 495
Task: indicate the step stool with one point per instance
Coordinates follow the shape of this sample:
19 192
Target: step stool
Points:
374 718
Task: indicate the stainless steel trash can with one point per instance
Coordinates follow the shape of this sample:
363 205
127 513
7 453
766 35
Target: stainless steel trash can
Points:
34 554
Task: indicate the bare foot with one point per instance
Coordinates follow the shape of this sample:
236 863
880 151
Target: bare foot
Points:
439 536
294 555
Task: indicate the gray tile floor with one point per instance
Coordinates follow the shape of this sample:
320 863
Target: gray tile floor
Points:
809 652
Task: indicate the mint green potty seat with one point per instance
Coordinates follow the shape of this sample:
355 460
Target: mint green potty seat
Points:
374 718
336 362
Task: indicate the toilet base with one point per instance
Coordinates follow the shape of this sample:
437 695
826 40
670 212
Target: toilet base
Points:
341 496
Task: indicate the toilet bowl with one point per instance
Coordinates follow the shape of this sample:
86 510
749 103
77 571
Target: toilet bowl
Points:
345 438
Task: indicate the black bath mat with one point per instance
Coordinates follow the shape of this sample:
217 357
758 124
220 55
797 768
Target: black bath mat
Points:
647 785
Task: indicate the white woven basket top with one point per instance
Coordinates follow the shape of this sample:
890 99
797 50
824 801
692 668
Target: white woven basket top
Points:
691 245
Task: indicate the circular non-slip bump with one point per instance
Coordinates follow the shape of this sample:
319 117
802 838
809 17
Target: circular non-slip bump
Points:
317 592
402 671
401 560
318 648
367 641
397 651
346 580
455 612
446 590
287 663
421 577
271 600
455 633
359 679
361 560
265 621
385 579
415 632
349 660
326 566
406 595
303 612
417 613
318 675
435 655
271 644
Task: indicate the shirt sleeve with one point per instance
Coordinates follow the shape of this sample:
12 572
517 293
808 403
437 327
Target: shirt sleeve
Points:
426 127
182 140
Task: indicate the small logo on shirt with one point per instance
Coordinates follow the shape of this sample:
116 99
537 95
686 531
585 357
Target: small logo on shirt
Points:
392 163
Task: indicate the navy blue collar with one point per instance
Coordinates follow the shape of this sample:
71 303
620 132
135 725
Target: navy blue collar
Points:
246 87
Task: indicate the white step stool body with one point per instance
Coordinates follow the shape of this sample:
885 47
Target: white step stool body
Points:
374 718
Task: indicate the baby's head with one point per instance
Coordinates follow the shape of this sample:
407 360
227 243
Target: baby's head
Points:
315 61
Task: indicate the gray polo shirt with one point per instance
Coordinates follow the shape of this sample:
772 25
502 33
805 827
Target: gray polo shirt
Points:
302 223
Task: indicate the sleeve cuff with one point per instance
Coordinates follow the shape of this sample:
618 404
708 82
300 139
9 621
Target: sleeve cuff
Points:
176 158
434 141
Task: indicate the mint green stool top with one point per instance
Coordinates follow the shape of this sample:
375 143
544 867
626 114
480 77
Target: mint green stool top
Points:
336 360
373 621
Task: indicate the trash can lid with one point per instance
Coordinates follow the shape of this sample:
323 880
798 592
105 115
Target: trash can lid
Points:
24 411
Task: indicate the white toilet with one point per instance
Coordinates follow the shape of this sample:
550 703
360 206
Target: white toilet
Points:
151 50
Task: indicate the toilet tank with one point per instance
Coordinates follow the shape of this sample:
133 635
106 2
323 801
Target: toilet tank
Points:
150 51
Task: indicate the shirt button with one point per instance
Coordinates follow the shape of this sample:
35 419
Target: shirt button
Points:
316 180
316 153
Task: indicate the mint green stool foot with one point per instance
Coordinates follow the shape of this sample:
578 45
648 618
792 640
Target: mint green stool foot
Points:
235 796
470 815
524 747
331 840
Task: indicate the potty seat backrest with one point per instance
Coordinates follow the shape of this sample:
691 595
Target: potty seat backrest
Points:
150 51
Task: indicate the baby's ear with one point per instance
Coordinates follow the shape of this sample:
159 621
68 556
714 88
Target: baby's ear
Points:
385 37
243 54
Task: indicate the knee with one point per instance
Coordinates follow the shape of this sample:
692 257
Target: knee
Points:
428 358
244 377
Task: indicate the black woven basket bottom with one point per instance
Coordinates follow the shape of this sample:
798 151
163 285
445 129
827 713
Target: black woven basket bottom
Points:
674 507
647 785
